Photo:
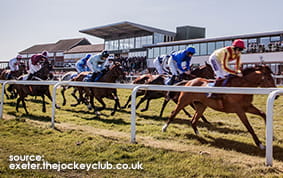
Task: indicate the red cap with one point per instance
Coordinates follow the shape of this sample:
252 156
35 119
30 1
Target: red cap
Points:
239 44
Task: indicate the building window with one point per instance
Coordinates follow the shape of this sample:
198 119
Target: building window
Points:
156 52
196 46
219 44
203 49
210 47
150 53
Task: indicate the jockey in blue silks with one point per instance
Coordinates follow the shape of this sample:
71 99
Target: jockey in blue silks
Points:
81 65
175 62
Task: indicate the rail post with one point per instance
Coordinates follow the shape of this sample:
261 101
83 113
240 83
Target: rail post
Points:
269 126
133 112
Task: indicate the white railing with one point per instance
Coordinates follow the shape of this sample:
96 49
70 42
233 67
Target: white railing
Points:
272 92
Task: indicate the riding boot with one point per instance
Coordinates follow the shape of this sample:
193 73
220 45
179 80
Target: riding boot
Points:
218 82
30 76
172 80
94 75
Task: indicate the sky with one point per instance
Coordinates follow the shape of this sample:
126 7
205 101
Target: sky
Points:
24 23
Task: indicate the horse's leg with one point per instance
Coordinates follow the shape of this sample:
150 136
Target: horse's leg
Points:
99 99
139 93
141 101
183 102
48 94
17 104
80 96
253 110
116 98
202 117
185 111
63 95
146 106
200 108
43 103
166 100
24 105
242 115
128 101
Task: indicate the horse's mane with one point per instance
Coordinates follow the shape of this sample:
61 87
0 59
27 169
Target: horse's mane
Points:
249 70
158 80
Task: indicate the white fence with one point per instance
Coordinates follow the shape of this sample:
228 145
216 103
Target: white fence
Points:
271 92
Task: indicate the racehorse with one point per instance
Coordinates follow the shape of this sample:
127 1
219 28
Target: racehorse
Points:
259 76
35 90
202 71
7 74
115 72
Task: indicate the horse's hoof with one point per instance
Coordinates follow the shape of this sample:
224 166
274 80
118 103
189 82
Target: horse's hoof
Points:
57 107
143 110
97 113
73 105
89 107
261 146
44 110
129 106
63 104
196 132
164 128
112 113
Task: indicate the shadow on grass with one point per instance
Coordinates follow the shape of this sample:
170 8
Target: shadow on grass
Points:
32 117
118 121
226 144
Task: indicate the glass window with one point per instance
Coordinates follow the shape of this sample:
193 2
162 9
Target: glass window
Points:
169 49
219 44
138 42
143 40
107 45
163 50
275 38
182 47
210 47
228 43
197 49
131 43
203 48
264 41
150 53
156 52
175 48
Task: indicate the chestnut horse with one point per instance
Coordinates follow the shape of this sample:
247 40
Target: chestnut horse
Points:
259 76
35 90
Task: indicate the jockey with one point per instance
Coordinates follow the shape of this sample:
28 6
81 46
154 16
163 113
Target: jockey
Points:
97 64
160 63
220 59
175 62
34 63
81 64
14 66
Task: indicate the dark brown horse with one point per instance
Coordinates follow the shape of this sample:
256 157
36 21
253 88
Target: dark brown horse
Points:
240 104
202 71
7 74
115 72
35 90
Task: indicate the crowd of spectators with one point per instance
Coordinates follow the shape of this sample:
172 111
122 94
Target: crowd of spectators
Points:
132 65
261 48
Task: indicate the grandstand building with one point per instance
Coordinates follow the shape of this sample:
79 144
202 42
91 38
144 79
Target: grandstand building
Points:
128 39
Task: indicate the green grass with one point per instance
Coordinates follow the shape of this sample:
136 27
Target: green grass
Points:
223 149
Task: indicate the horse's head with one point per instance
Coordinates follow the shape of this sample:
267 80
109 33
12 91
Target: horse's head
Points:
260 75
117 71
44 71
22 68
204 71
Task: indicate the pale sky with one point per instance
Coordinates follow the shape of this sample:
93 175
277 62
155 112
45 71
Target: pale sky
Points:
24 23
